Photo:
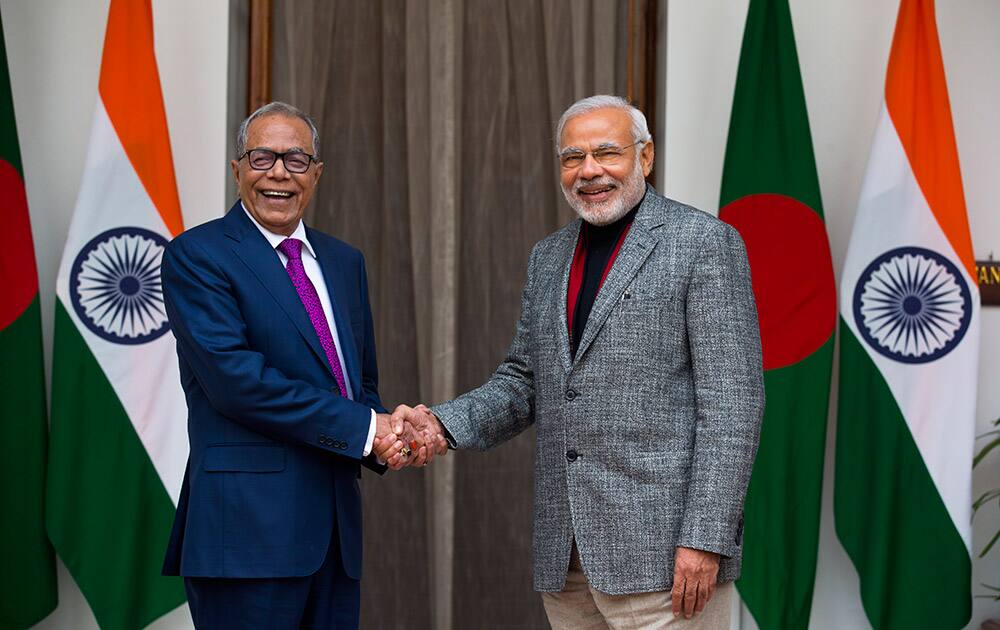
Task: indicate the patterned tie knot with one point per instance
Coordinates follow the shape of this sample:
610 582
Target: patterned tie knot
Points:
291 247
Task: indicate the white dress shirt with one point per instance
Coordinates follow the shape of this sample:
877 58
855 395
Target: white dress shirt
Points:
315 275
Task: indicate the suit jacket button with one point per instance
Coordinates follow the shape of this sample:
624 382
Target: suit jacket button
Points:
571 455
571 394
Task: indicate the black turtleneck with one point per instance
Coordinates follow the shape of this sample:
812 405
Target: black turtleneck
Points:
598 243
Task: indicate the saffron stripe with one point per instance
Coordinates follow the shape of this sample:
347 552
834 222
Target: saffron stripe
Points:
130 89
916 96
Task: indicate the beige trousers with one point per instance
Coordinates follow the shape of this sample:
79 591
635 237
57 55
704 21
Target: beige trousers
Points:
579 606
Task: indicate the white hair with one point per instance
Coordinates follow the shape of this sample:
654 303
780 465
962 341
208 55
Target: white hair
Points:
275 108
640 130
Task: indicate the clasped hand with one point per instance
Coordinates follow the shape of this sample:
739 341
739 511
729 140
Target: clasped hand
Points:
410 436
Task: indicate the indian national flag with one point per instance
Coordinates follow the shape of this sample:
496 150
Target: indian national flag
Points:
770 193
909 312
118 442
27 567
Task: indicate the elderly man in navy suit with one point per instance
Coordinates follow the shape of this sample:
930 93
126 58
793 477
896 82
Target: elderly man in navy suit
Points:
277 360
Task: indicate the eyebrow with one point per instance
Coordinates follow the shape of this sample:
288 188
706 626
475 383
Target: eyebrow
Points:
273 150
603 145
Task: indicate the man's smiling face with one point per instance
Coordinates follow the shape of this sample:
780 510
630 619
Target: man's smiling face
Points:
603 193
277 198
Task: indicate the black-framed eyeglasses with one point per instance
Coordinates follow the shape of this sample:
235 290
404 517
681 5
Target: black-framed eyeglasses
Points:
605 155
263 159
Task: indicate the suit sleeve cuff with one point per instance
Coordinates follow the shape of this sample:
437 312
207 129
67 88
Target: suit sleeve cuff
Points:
371 436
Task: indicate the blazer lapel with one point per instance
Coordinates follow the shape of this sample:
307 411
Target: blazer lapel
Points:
638 245
567 249
256 253
341 319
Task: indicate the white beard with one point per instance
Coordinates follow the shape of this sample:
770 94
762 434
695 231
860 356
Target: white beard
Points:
629 194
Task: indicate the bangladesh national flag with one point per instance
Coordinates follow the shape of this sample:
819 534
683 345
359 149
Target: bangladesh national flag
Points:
118 443
27 567
909 317
770 193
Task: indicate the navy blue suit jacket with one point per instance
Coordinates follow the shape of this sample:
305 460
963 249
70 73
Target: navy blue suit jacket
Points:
275 452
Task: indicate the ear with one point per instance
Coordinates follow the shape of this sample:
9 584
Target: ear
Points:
646 158
235 165
319 171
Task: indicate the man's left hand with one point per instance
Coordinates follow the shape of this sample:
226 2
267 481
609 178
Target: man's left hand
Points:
695 573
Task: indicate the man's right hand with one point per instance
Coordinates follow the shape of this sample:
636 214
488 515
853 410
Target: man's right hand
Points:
425 422
398 444
414 427
388 444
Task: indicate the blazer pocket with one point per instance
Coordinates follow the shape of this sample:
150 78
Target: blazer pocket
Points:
254 458
656 467
643 301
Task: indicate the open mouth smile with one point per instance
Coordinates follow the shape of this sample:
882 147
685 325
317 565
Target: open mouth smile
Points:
596 192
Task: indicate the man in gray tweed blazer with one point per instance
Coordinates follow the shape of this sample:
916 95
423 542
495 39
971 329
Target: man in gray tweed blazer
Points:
637 357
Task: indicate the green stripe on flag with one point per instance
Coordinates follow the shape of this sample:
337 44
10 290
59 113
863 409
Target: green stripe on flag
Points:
770 193
769 148
27 569
9 148
27 564
109 515
914 567
782 514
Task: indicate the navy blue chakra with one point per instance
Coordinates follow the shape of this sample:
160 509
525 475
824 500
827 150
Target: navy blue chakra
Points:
912 305
115 286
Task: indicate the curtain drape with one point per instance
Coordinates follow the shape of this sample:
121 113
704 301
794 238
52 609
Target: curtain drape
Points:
436 118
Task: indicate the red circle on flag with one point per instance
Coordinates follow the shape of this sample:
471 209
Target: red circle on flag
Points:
792 274
18 274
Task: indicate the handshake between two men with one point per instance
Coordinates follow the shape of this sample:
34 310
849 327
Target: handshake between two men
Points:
636 358
410 436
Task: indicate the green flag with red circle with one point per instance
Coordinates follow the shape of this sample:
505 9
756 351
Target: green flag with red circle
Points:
770 193
27 566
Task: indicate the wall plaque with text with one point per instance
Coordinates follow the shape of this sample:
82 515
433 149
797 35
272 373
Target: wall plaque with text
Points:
988 274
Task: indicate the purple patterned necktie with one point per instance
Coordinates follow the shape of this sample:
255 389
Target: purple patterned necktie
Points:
292 247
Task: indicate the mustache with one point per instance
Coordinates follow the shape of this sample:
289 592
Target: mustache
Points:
603 180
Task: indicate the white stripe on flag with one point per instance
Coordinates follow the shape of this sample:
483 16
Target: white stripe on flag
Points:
893 212
144 376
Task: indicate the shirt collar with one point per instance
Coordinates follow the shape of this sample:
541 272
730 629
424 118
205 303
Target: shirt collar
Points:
275 239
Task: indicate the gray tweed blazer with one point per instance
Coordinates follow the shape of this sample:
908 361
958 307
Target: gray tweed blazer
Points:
646 439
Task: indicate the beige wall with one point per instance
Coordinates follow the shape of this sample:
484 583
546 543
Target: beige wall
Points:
843 50
54 53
